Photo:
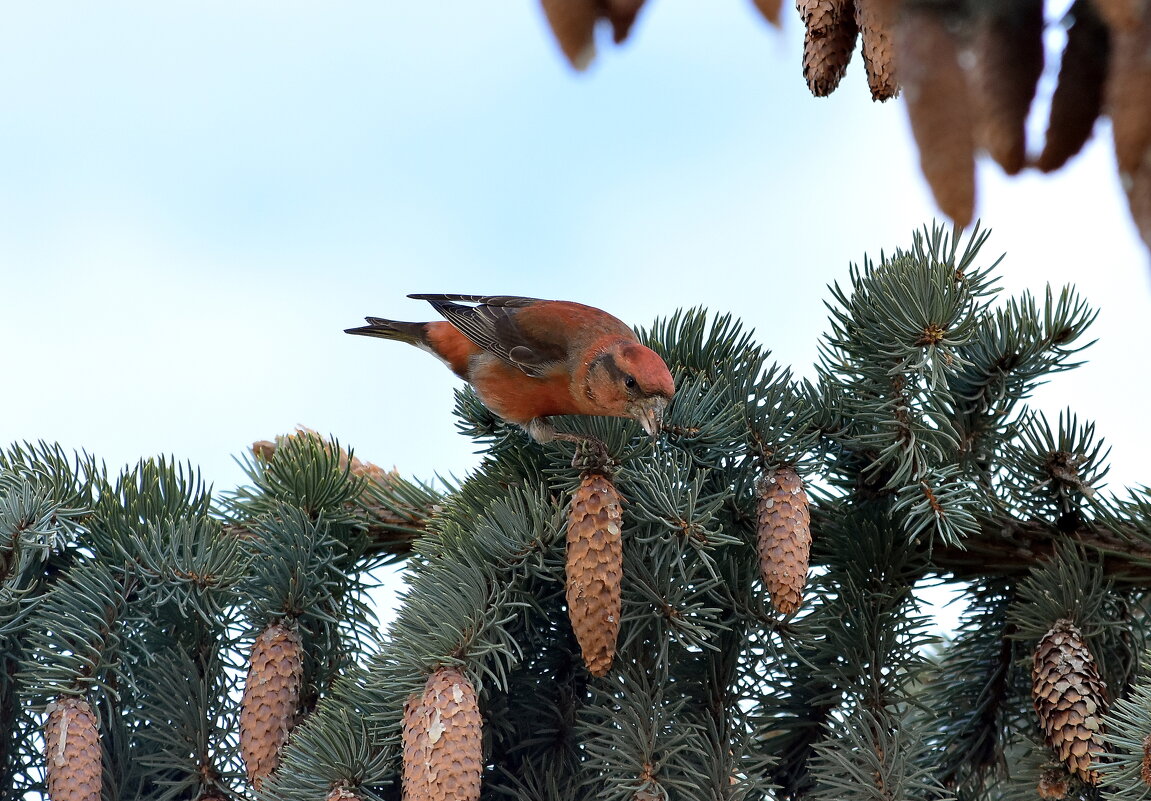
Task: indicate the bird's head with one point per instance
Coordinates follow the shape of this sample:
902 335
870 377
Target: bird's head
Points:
630 380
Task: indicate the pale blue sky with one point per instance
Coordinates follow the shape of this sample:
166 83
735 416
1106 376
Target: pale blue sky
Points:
196 198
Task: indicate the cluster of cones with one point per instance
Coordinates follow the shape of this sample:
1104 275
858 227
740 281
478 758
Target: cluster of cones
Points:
968 74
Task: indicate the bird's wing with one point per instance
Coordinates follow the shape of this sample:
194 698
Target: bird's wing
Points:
491 324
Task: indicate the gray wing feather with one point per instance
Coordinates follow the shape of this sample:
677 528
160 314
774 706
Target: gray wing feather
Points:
491 325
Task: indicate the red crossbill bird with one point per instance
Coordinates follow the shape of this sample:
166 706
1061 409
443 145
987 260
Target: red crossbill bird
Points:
532 359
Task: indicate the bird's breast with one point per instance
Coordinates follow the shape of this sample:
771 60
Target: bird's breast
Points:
517 397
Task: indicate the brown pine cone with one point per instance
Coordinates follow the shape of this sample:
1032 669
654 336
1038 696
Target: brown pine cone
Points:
1129 95
1008 50
621 14
443 740
828 42
783 537
573 24
770 10
939 108
595 569
72 748
1069 697
1078 97
876 22
271 699
1120 14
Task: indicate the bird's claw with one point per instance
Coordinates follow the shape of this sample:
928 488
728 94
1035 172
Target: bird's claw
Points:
591 455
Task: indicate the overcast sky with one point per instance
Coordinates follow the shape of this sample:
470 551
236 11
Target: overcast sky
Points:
197 198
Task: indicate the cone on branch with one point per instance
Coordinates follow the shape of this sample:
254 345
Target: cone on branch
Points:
828 42
876 22
594 572
443 740
72 749
783 537
1069 698
271 699
1078 97
939 108
1008 60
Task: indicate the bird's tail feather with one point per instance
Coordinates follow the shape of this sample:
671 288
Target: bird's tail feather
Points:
412 333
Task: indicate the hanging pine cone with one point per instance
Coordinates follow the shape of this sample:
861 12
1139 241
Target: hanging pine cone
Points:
828 42
1078 96
783 537
939 108
770 10
443 740
72 748
573 24
876 22
1008 50
1069 698
621 14
1129 95
270 701
595 569
1120 15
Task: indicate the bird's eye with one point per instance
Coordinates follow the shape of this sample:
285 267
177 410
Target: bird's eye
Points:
629 382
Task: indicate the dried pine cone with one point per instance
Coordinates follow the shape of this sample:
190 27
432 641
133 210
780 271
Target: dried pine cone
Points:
1069 698
595 569
573 24
443 740
876 22
271 699
1078 97
828 42
1053 783
1008 49
1120 14
1129 95
621 14
939 108
783 537
770 10
72 748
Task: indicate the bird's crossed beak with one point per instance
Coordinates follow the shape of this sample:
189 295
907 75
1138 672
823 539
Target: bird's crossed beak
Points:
649 413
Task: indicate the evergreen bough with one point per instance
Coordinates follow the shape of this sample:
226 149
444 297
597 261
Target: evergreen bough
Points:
141 593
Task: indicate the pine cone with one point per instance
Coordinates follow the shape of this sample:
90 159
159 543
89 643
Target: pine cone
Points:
1069 698
621 14
72 748
573 24
1078 97
1120 14
876 22
595 569
443 740
783 537
271 699
828 42
1008 49
1145 764
1129 95
1053 783
939 108
770 10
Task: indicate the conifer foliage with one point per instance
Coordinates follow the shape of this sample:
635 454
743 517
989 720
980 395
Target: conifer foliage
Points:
732 612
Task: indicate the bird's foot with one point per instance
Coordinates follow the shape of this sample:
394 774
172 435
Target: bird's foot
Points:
591 454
